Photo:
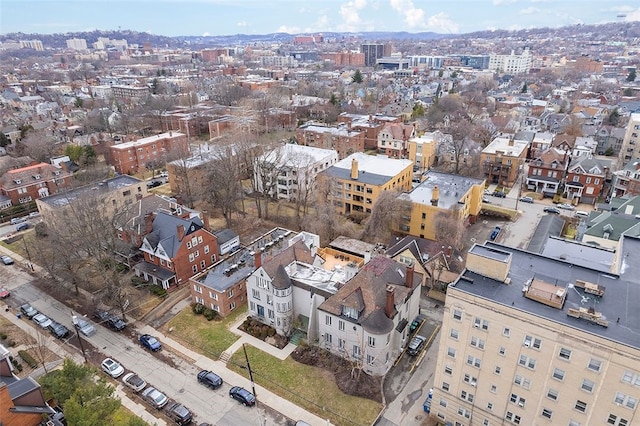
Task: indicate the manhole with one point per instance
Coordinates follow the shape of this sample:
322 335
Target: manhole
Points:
181 390
473 240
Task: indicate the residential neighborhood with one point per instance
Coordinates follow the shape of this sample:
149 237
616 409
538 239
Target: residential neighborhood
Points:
345 228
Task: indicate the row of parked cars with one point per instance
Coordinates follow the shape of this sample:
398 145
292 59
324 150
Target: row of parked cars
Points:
55 328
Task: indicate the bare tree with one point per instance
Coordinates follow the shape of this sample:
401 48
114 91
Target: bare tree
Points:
224 174
449 229
40 145
388 212
40 349
574 127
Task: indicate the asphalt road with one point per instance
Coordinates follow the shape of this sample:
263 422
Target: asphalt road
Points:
177 378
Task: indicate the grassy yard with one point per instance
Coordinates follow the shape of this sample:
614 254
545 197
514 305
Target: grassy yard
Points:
309 387
123 416
208 337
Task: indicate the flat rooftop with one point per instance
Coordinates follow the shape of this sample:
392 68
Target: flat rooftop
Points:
507 146
451 189
375 169
104 187
618 306
150 139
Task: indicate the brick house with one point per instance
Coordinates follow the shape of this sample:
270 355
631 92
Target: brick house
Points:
392 139
501 160
341 138
547 171
175 249
33 182
151 152
586 179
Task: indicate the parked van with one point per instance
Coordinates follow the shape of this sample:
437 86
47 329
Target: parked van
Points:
582 213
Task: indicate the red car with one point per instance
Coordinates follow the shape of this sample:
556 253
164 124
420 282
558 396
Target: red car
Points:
4 293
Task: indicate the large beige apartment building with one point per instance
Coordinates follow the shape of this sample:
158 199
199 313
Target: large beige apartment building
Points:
534 340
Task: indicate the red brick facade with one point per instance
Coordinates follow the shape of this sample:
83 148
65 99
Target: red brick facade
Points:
33 182
154 151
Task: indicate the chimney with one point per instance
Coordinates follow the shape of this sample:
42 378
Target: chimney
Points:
449 251
205 220
354 169
409 276
148 223
389 307
257 259
435 196
510 142
180 232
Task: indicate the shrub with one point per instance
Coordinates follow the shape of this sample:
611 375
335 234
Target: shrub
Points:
158 291
209 314
28 359
198 308
3 336
138 282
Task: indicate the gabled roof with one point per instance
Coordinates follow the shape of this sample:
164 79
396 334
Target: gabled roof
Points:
297 251
589 165
563 138
549 156
165 232
33 174
367 292
399 131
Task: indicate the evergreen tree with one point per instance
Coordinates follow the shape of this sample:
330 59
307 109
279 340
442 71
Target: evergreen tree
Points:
357 77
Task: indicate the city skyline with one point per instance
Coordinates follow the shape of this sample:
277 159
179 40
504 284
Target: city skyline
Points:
226 17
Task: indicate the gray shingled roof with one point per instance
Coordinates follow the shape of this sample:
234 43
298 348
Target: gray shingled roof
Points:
165 231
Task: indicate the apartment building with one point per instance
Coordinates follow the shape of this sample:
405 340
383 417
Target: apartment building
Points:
371 125
393 138
631 142
373 51
77 44
512 63
33 182
289 172
148 153
356 182
422 150
501 160
534 340
130 93
441 194
342 138
627 180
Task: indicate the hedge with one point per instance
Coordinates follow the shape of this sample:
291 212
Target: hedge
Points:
28 359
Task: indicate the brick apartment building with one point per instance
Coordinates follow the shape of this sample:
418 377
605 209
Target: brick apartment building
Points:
371 125
33 182
341 138
341 59
150 152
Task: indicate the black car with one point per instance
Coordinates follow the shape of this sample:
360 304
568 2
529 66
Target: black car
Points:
416 323
109 320
179 413
209 379
499 194
551 210
242 395
58 330
416 345
28 310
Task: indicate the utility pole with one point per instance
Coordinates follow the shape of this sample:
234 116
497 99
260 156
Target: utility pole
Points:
84 354
253 385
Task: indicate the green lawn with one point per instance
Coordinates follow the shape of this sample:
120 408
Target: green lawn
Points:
207 337
123 417
310 387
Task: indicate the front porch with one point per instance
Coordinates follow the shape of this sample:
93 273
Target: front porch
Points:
156 274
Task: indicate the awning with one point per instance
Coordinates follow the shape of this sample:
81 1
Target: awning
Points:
402 325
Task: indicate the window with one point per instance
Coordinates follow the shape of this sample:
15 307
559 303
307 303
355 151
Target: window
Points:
470 379
493 389
194 241
558 374
203 264
587 385
194 269
255 294
574 423
341 343
518 400
552 394
443 402
215 307
457 315
526 361
200 239
466 396
530 341
565 353
480 323
594 365
464 412
206 249
451 352
489 406
616 421
506 332
189 244
547 413
471 360
625 400
356 351
453 334
372 342
581 406
445 386
340 325
502 350
477 343
522 381
513 418
191 257
370 359
200 300
497 370
448 370
328 338
197 288
196 253
327 320
631 378
485 422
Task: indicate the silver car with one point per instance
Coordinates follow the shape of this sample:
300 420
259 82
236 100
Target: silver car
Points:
83 326
155 397
42 320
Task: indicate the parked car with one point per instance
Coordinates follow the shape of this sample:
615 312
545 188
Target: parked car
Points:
28 310
416 323
499 194
565 206
110 320
150 342
209 379
495 233
112 368
153 184
582 213
17 220
179 413
242 395
83 326
416 345
164 174
4 293
42 320
58 330
154 397
526 200
134 381
551 210
486 200
6 260
22 227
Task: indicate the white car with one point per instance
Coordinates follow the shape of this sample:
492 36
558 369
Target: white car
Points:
42 320
112 368
565 206
134 381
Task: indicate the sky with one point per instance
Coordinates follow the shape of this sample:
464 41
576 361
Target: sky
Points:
225 17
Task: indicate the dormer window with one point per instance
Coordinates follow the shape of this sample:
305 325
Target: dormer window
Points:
349 312
57 173
17 181
36 177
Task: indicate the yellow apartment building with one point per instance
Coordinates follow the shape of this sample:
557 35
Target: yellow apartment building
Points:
534 340
422 150
441 193
356 181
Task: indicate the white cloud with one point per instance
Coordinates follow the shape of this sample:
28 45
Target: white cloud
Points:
350 13
206 34
413 16
529 11
503 2
242 24
632 16
288 30
441 23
